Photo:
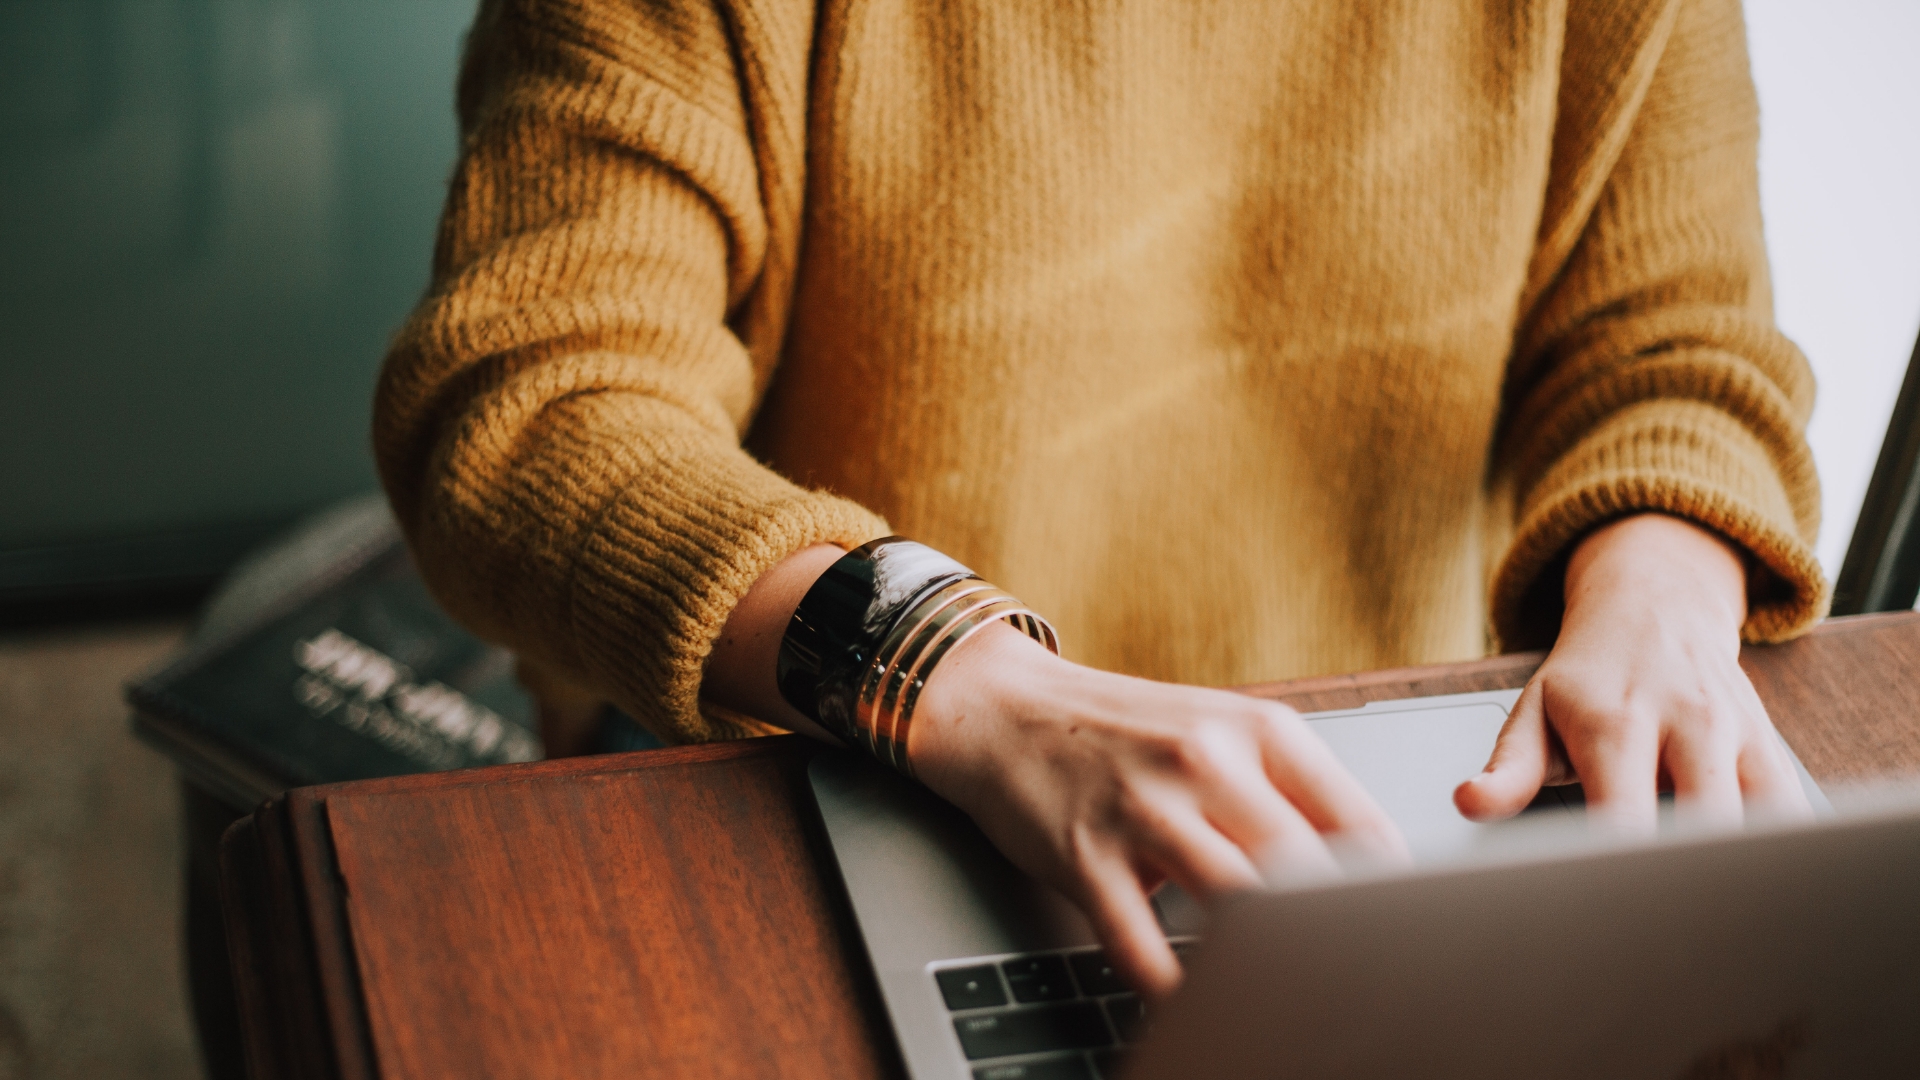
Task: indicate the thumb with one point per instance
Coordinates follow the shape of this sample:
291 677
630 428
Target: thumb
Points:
1518 767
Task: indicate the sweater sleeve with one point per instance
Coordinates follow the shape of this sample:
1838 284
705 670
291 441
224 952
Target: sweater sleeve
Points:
1648 374
559 424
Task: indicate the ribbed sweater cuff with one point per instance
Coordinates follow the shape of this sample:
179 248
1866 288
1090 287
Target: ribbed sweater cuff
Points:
1680 458
657 577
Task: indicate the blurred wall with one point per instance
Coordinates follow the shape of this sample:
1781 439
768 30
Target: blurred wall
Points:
213 213
1840 188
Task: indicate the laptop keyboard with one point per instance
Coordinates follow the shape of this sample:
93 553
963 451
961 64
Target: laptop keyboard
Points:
1061 1015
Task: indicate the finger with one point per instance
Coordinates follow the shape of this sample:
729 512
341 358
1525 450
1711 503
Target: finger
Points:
1618 763
1240 801
1706 778
1769 779
1308 860
1518 766
1303 768
1285 848
1185 846
1124 920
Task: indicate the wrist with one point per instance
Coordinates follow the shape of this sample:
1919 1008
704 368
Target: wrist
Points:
962 718
740 671
874 628
1659 560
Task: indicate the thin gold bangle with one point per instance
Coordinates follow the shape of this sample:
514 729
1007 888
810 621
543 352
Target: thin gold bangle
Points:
890 664
910 671
909 626
899 672
903 722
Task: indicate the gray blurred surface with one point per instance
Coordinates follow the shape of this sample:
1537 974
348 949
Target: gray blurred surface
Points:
213 214
91 981
269 573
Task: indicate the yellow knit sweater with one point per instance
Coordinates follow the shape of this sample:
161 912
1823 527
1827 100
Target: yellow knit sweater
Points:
1243 340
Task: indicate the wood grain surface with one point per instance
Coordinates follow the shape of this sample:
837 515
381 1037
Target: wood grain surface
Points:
652 920
1847 696
675 912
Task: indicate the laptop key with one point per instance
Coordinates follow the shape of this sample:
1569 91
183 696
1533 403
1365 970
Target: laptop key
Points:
1038 978
1072 1025
1072 1068
1127 1015
1108 1062
971 988
1096 974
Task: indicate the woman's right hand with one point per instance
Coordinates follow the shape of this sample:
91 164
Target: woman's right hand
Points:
1101 785
1104 786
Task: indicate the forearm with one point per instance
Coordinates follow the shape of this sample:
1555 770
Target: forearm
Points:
1648 375
559 424
740 672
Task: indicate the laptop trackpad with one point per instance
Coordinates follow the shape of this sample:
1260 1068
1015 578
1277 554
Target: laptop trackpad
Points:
1411 759
1411 754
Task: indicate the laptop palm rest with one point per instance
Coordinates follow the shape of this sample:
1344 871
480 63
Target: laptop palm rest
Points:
914 855
927 886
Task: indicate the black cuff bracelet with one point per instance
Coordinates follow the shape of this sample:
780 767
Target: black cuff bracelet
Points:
867 635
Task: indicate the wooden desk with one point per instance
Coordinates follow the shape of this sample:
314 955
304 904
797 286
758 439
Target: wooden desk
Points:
674 912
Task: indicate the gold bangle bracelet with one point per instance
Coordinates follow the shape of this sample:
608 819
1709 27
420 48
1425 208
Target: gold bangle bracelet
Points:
892 662
958 633
938 623
901 638
911 669
869 632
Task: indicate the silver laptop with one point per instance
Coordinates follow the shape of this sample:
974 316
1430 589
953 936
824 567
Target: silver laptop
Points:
1516 950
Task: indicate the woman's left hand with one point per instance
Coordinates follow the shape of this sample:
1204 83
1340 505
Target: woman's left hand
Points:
1643 690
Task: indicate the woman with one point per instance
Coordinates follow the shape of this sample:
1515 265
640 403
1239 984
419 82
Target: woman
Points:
1240 341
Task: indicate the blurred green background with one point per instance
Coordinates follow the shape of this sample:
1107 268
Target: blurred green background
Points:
213 213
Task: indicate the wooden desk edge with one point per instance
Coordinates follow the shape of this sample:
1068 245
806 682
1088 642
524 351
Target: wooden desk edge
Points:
279 990
286 921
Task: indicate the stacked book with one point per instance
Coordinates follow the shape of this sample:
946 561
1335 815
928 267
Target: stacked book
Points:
324 659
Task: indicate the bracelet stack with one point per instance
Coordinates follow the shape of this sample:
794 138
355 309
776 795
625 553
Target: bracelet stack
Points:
870 632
